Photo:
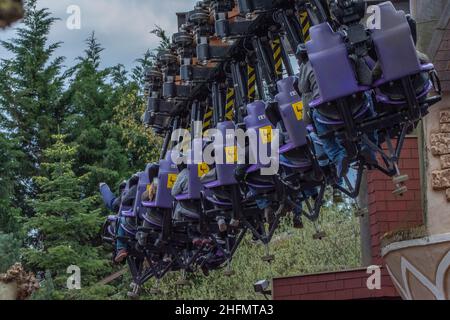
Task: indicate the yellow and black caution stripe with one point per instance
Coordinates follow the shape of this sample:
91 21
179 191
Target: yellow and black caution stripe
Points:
251 83
229 107
306 25
207 119
277 56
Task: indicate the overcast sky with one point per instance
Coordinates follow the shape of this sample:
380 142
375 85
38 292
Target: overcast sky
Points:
121 26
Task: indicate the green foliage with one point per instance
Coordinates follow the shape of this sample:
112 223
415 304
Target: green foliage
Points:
10 216
96 113
95 292
47 289
142 145
92 98
65 224
138 72
9 251
164 39
9 163
31 86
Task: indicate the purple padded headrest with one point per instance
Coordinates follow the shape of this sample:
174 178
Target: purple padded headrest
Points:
286 84
256 108
333 70
224 126
143 178
394 44
291 110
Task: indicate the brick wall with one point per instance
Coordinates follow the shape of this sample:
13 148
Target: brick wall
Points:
387 213
343 285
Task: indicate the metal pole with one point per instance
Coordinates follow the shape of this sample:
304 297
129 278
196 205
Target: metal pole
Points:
364 224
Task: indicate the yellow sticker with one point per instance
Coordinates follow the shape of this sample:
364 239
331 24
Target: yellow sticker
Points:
298 110
231 154
171 178
203 169
149 188
266 134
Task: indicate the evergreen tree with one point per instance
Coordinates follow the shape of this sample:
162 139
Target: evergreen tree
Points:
47 290
89 92
100 156
31 86
66 225
138 72
10 215
10 158
119 76
9 251
147 60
